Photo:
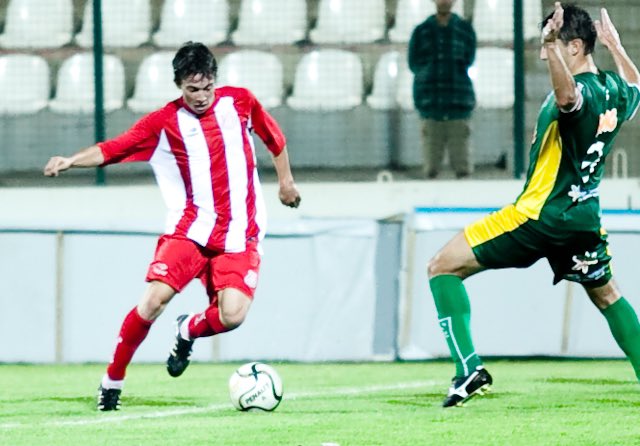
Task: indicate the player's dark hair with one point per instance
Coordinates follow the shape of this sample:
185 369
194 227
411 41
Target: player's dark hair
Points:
191 59
577 25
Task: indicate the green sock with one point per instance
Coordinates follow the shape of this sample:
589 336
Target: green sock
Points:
624 325
454 316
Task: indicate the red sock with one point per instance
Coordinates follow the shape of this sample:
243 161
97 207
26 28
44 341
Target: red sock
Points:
133 331
206 323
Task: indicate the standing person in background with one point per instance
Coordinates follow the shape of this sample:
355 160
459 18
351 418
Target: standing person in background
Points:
557 215
202 155
441 50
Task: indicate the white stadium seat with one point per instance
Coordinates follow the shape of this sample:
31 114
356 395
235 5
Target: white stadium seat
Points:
493 20
23 69
410 13
492 75
205 21
271 22
327 79
259 71
125 23
75 90
154 83
385 82
349 21
404 92
37 24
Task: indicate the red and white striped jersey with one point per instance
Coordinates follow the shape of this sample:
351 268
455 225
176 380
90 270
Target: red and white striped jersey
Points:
205 166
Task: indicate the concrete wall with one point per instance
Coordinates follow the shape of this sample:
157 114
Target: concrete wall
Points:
337 283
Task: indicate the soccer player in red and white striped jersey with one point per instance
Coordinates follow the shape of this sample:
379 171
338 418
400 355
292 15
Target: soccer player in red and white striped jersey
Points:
202 155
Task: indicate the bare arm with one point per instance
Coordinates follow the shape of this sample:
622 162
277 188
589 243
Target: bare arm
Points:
89 157
564 85
609 37
288 193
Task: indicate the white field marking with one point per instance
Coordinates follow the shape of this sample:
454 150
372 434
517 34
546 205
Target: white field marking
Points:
118 418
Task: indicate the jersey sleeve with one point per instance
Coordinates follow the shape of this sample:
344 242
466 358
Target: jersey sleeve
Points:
630 96
266 127
136 144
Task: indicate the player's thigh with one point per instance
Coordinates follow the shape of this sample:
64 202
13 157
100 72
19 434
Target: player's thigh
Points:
237 270
176 262
584 258
505 239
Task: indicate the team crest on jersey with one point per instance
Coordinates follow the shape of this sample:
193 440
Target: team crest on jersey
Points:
608 121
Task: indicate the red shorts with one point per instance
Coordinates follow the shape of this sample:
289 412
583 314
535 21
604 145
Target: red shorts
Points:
178 261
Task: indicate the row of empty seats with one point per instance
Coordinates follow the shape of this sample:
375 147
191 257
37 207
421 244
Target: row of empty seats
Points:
127 23
325 79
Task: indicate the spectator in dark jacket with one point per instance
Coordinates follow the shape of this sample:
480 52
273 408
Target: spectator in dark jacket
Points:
441 50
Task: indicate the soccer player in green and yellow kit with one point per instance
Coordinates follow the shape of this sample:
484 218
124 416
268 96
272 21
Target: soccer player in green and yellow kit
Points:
557 215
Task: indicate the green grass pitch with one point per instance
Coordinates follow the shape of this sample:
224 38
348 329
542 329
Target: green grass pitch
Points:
532 403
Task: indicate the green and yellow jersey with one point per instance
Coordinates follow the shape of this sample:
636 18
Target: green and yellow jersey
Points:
569 149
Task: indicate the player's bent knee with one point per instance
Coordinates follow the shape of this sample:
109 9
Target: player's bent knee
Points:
435 267
233 318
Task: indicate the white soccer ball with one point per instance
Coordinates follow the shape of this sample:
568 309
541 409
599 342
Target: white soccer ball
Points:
255 386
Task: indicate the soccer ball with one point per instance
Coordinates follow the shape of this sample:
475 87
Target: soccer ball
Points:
255 386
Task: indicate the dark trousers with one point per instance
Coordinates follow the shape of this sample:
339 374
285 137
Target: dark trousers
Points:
439 137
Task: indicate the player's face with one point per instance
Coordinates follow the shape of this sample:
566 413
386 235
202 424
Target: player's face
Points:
197 92
444 6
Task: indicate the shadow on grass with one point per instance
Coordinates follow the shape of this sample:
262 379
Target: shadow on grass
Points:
55 399
586 381
90 400
615 402
157 402
429 399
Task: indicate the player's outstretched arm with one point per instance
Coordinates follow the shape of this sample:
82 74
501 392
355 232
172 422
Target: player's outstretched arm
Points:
609 37
288 193
89 157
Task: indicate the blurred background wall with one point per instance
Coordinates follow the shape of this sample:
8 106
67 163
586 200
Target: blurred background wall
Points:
344 275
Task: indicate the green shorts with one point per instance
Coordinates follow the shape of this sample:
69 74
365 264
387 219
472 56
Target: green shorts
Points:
508 239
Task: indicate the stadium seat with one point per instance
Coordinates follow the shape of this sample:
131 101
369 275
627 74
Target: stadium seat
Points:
154 85
205 21
125 23
37 24
19 70
75 91
259 71
404 92
349 21
493 20
410 13
327 79
492 75
385 82
271 22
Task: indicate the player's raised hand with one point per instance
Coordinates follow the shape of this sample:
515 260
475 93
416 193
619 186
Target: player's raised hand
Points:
607 32
552 28
55 165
